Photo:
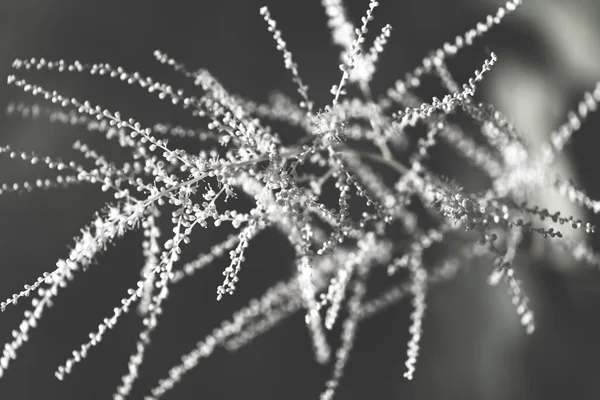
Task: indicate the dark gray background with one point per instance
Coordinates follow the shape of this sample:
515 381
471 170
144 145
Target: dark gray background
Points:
473 347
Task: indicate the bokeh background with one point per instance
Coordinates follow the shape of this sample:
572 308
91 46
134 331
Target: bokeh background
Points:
473 346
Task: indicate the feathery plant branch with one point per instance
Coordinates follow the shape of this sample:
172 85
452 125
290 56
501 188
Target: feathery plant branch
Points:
337 241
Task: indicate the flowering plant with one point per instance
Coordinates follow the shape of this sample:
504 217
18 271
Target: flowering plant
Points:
371 224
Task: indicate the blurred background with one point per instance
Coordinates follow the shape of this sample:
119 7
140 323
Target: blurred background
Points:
473 346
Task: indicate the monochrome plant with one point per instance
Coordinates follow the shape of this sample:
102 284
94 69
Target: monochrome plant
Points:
245 180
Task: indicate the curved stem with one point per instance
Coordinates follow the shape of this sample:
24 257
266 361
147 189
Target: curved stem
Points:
390 162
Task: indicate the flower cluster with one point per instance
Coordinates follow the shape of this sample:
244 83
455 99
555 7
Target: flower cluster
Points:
368 223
